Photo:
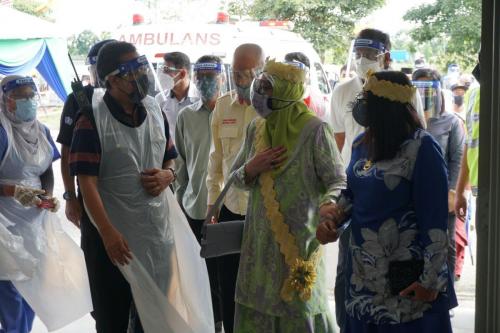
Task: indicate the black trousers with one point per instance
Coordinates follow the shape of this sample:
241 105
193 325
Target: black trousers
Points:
111 295
227 269
196 226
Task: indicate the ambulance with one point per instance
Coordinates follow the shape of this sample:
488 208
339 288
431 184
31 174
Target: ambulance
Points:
221 40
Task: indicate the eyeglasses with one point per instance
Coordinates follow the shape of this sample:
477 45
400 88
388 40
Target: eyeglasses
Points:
23 97
368 53
168 69
263 87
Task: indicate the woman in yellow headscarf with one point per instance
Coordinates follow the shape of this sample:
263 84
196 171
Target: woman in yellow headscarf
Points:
291 165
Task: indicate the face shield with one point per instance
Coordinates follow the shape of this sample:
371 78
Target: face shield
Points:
168 76
137 72
208 79
263 94
242 80
305 69
430 93
368 56
94 78
20 97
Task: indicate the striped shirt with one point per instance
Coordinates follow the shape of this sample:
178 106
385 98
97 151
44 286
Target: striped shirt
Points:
85 151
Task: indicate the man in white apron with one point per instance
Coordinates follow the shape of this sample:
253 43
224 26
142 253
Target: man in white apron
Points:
124 173
42 270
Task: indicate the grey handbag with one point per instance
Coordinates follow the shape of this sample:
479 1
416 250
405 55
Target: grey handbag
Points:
221 238
224 238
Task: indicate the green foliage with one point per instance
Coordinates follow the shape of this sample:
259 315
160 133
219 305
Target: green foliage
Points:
79 45
327 24
31 7
448 31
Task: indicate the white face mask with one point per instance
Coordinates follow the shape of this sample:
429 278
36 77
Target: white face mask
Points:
363 65
166 81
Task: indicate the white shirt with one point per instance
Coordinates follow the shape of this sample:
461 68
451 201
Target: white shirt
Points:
171 106
344 94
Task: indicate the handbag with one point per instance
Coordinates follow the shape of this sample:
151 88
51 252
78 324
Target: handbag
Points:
225 238
403 273
222 238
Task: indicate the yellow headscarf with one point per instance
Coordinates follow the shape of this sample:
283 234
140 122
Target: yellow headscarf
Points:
283 126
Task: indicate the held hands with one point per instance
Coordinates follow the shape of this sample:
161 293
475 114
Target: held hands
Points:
271 158
156 180
417 292
116 246
330 217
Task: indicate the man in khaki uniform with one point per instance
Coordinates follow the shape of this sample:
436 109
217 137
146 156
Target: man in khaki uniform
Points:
233 112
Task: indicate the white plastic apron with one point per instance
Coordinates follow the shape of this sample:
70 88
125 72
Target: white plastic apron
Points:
40 259
169 280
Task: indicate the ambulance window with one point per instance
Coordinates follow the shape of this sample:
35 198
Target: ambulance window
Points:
322 80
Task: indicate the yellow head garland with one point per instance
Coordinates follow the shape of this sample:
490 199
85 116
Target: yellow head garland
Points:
392 91
285 71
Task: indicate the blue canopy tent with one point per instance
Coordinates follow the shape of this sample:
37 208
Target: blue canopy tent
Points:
31 43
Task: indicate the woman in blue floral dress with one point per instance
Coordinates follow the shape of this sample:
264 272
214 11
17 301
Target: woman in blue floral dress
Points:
397 186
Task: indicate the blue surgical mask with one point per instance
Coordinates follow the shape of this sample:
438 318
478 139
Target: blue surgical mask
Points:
208 86
26 109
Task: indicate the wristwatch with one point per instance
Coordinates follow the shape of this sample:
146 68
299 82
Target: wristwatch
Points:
68 195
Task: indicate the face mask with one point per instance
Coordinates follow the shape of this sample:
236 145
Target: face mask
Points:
360 112
261 103
26 110
476 72
458 100
208 87
243 92
166 81
141 88
363 65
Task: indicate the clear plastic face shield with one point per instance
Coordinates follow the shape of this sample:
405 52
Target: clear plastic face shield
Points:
20 97
368 55
305 69
208 78
431 96
262 93
168 75
139 76
242 81
94 78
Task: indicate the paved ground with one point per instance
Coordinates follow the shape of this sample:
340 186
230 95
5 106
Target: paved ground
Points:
463 321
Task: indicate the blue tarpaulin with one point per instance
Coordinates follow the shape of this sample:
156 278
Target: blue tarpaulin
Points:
35 47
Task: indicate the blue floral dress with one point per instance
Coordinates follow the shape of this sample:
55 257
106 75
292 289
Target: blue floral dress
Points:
400 213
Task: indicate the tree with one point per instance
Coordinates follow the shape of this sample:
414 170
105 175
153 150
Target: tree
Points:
453 27
327 24
32 7
79 45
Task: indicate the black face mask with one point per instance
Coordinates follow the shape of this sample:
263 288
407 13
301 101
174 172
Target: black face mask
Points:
476 72
458 100
141 87
360 112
